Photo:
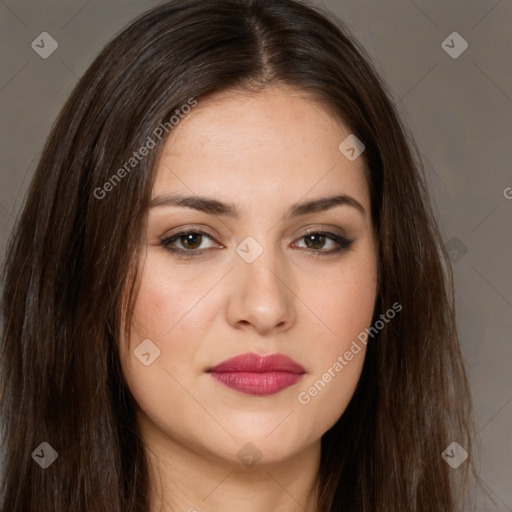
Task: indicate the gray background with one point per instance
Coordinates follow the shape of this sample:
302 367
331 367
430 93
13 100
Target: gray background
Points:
459 111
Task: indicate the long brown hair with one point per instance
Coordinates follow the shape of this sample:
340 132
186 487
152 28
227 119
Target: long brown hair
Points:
73 254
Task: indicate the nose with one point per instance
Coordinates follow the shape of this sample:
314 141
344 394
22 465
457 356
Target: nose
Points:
261 295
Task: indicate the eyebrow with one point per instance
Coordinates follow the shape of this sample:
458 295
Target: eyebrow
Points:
215 207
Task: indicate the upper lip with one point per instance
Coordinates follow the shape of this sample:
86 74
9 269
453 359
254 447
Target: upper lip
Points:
255 363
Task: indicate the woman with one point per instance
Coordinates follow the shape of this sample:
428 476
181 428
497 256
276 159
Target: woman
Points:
226 288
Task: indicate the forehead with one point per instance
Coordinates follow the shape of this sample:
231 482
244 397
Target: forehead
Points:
274 144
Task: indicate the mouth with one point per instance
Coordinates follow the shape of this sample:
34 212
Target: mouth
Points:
253 374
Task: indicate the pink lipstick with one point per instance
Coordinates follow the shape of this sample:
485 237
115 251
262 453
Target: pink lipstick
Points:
258 375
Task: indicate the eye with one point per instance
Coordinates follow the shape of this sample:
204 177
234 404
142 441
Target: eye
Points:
190 240
316 240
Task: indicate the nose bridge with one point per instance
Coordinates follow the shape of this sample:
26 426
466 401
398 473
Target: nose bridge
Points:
261 294
260 266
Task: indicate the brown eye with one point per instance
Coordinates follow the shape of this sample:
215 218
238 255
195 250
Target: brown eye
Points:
190 241
316 241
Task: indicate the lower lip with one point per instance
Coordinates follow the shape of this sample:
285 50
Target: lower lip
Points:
262 384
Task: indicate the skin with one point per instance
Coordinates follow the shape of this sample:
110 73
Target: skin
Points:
263 152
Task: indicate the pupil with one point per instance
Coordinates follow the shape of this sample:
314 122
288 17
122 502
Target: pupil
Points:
192 239
315 240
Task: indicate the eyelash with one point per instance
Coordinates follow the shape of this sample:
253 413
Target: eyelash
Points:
344 243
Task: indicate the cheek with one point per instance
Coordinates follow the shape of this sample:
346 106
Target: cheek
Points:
157 306
344 303
346 309
351 302
163 313
351 309
171 310
165 302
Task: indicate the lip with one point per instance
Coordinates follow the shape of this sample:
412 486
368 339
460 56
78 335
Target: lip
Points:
258 375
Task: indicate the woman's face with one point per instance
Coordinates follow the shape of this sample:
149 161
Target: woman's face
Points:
263 280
